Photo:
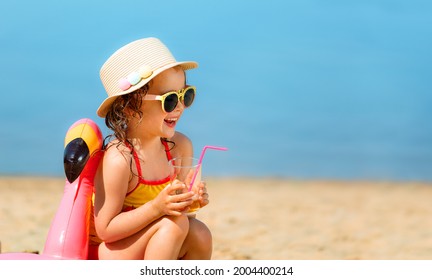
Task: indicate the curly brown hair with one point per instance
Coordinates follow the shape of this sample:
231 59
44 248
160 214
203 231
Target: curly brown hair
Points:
117 118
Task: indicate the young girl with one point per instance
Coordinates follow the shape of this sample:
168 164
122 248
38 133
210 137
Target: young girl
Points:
138 212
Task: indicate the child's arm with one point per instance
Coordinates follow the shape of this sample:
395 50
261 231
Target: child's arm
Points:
111 187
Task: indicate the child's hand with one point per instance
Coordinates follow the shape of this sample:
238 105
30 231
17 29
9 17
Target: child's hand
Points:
202 194
174 199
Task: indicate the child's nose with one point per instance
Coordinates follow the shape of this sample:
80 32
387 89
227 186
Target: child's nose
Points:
180 106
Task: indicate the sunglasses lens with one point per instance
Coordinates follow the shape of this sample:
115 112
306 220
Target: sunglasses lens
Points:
170 102
189 97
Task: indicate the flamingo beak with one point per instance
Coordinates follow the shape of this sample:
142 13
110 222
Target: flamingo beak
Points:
76 155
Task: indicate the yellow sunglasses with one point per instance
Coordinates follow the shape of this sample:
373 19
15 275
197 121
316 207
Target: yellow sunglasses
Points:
170 99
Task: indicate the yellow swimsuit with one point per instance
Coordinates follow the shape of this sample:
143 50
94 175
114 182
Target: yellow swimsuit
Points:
143 192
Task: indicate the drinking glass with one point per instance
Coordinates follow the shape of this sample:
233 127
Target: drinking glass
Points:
184 169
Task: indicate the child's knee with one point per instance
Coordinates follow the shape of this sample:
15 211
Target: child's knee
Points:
201 234
175 225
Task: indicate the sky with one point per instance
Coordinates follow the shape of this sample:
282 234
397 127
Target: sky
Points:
294 88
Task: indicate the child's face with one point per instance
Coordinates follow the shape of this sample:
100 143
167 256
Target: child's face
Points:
155 120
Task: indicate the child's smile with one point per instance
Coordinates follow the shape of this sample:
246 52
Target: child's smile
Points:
171 122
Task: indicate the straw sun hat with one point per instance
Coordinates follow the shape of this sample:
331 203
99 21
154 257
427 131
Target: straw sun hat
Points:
133 66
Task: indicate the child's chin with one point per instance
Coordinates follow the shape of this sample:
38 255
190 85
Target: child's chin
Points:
169 134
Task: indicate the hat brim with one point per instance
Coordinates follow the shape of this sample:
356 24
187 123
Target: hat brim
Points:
106 104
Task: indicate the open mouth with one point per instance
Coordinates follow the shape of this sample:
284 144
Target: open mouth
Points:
171 122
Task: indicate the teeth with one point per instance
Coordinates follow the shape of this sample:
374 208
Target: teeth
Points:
172 120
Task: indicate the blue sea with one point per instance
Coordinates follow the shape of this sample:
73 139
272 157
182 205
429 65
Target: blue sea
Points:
294 89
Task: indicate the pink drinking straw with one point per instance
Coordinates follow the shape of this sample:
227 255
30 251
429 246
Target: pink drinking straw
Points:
201 159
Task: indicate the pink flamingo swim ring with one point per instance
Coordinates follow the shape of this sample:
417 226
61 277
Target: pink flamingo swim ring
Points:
68 236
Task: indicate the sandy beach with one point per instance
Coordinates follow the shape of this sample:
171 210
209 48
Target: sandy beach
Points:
265 218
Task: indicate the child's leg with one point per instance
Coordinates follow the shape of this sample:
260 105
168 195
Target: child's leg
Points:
160 240
198 244
166 243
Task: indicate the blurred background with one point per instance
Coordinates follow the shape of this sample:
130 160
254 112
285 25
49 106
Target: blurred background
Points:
294 89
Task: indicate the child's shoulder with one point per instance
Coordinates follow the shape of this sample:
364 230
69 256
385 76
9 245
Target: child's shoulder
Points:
180 138
117 151
183 145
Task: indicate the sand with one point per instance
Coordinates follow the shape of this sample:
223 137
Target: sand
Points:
265 218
